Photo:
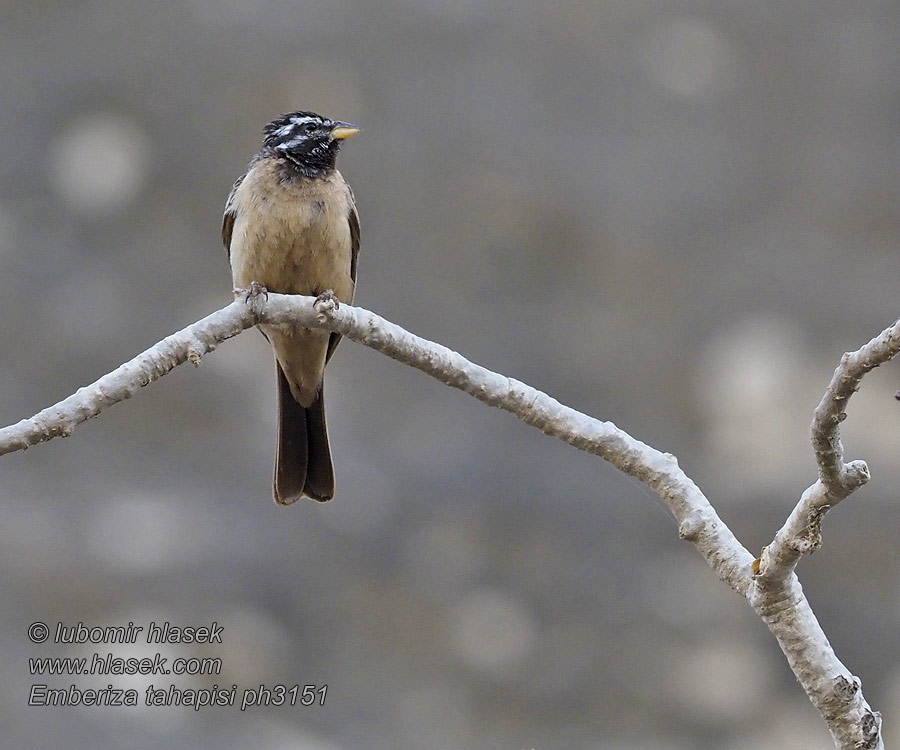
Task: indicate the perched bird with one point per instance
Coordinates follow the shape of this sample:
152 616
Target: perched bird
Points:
291 226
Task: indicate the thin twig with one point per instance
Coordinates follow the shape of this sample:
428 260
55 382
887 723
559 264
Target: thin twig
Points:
801 533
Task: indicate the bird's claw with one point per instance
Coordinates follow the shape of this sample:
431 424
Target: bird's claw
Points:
254 290
327 302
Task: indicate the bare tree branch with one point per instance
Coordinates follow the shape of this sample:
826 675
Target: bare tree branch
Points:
775 582
801 533
769 584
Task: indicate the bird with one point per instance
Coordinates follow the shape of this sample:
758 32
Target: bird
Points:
291 226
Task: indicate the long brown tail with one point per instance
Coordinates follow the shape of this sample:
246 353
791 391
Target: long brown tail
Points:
303 459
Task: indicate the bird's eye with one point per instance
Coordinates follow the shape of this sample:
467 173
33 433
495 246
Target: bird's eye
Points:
310 127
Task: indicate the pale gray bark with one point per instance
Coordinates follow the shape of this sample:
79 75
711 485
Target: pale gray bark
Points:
769 584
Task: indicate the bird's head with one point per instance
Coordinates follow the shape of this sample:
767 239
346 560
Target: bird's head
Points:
308 141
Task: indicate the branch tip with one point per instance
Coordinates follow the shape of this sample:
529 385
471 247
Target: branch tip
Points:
857 474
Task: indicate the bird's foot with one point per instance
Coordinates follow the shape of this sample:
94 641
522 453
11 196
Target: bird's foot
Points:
253 297
326 302
253 291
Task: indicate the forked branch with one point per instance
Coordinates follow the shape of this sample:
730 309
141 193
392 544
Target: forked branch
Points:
769 584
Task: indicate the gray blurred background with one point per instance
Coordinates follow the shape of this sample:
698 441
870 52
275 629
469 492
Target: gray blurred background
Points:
672 215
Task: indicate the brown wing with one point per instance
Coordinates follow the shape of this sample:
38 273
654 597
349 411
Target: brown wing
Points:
354 238
353 218
228 218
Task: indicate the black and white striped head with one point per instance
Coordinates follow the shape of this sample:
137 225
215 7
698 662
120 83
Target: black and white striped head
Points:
308 141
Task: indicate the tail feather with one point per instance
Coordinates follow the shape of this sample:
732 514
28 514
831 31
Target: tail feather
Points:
303 458
319 483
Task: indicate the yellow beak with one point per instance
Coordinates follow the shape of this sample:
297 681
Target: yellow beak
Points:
342 130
